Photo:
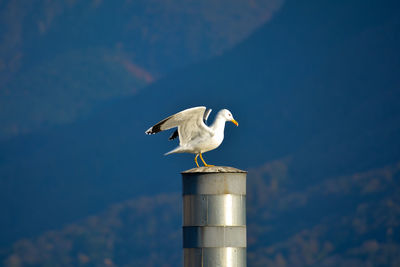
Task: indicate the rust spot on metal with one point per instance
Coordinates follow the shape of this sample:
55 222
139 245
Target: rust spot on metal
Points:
226 187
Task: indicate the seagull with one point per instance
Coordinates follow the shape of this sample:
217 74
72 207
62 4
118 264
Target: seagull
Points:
194 135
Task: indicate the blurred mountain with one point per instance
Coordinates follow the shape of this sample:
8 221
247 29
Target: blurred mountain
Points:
318 85
110 238
57 59
67 87
349 220
340 221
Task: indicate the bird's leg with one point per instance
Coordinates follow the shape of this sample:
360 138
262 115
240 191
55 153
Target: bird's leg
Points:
195 160
205 164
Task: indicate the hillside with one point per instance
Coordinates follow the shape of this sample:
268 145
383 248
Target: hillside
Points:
345 221
60 60
66 87
318 85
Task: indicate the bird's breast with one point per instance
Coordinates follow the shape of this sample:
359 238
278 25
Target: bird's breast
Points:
212 143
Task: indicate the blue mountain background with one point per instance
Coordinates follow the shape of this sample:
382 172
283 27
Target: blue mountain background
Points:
315 90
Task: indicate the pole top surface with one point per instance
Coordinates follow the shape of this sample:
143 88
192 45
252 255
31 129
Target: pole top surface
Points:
214 169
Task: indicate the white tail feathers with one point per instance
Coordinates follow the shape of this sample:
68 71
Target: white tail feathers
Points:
175 150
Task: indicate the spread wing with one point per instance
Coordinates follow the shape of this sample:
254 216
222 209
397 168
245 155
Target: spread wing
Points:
175 134
206 114
189 122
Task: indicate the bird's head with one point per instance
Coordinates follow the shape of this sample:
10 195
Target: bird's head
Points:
228 116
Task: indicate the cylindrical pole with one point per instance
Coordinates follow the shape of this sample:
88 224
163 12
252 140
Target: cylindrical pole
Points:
214 217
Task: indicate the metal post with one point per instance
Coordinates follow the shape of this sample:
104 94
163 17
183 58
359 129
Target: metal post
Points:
214 217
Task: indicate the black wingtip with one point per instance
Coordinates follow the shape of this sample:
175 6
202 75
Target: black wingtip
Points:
150 131
157 128
174 135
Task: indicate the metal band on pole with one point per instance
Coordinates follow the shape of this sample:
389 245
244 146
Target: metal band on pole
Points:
214 217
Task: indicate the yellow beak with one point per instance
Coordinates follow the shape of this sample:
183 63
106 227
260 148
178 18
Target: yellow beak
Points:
235 122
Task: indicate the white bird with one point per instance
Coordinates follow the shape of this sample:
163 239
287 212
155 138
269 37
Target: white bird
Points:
194 135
